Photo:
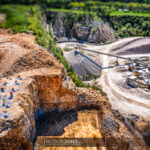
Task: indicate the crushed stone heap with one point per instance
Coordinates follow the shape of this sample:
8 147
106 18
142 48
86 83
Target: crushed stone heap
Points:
82 64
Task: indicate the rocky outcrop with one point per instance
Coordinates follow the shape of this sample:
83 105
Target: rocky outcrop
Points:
120 134
82 65
38 82
59 30
81 32
40 85
71 26
55 93
89 98
17 124
96 32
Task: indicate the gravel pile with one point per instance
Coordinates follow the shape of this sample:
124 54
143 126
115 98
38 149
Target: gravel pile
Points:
82 64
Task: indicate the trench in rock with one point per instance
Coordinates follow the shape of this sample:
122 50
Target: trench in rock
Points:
53 123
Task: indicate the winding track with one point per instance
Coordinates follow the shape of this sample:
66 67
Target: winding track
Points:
122 99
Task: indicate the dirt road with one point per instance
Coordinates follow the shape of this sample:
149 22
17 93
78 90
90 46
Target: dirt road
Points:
126 100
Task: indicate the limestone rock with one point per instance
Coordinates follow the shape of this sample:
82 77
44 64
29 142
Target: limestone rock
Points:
70 27
17 124
89 98
41 85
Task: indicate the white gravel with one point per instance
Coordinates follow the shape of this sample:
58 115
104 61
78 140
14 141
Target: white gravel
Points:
124 100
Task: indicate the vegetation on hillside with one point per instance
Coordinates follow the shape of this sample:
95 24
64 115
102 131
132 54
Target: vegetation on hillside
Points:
106 10
62 3
21 18
26 19
126 26
127 17
70 11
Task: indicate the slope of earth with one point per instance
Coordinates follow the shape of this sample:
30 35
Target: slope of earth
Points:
31 80
33 83
82 64
131 103
138 46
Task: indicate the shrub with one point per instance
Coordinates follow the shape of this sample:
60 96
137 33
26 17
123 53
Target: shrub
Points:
21 18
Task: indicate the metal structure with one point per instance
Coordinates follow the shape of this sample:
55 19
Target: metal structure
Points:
135 82
103 53
140 68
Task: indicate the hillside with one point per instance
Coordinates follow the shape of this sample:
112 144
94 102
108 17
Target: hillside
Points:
79 27
43 86
67 72
82 65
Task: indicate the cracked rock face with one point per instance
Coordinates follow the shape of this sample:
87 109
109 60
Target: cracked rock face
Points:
17 125
38 82
95 33
55 93
80 28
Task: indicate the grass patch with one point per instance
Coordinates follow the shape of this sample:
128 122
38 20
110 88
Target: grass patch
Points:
70 11
21 18
123 13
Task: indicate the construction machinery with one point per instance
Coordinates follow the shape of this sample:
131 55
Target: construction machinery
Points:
139 66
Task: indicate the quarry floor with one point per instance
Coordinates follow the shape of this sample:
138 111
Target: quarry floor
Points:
124 99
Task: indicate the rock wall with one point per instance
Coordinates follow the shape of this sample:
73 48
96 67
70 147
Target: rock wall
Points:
95 32
119 133
55 93
17 127
73 27
39 81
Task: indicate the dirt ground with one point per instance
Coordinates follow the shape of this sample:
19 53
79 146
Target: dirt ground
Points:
19 52
127 101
